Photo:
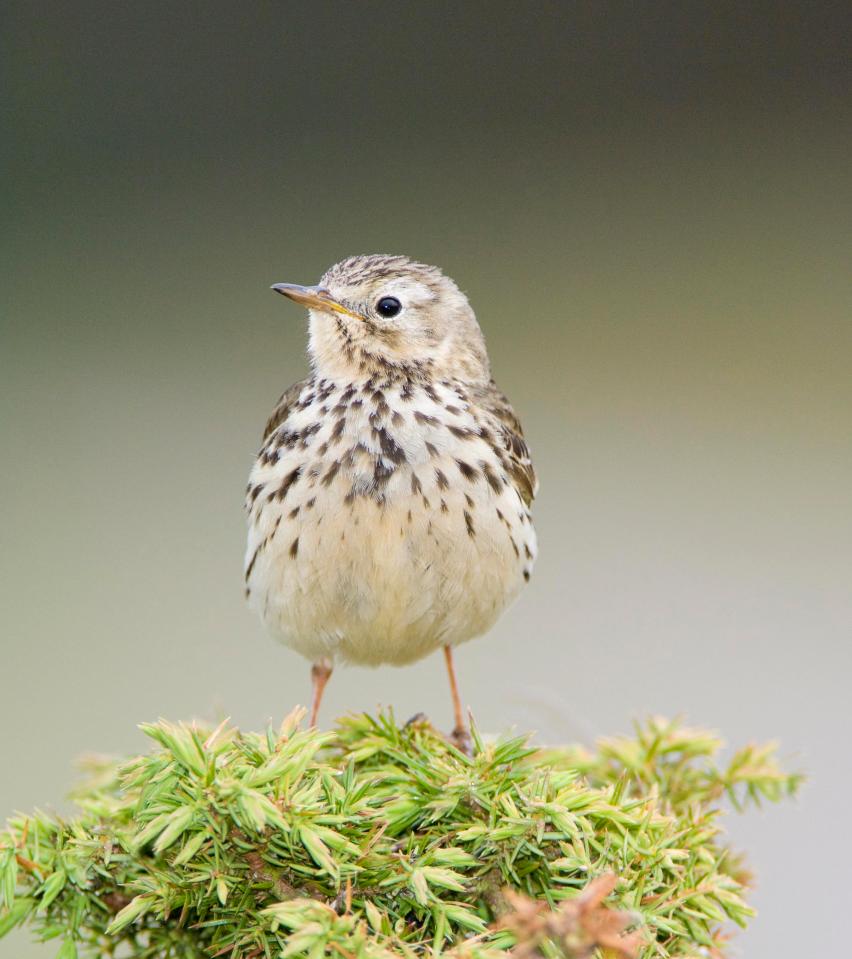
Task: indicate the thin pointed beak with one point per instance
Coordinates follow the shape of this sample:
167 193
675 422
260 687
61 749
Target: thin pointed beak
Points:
313 297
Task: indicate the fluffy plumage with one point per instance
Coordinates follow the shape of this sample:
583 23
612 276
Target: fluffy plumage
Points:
389 504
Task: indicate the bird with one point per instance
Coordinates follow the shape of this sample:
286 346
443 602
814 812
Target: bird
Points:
389 506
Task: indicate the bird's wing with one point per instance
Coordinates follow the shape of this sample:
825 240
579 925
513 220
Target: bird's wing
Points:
282 408
510 440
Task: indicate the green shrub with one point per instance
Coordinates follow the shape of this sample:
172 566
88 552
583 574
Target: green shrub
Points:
375 840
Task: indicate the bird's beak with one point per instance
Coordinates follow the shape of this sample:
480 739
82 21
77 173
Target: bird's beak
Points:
314 298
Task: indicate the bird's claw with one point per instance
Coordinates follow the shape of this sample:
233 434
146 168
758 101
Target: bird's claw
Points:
416 719
460 738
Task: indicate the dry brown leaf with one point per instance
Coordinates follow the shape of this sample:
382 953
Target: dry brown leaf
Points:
578 926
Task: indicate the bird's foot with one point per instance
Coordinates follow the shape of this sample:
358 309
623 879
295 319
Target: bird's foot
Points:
460 738
417 719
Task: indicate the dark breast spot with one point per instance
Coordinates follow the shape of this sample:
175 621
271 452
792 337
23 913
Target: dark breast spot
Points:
308 432
286 438
468 522
381 473
286 483
330 473
252 561
425 420
491 477
337 429
467 471
390 448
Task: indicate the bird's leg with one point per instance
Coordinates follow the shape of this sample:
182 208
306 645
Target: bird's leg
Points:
320 675
460 735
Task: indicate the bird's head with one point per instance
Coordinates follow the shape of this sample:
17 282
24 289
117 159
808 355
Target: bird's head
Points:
382 314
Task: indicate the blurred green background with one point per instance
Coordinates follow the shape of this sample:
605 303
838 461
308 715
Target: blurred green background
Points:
648 205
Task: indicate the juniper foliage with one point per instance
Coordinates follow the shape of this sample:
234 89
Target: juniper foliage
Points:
375 841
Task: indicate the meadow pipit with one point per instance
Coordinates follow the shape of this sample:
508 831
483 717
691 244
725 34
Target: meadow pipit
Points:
389 505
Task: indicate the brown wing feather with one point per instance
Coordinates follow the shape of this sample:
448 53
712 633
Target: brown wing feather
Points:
282 408
509 439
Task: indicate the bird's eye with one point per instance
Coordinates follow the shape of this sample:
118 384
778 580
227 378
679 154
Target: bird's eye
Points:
388 306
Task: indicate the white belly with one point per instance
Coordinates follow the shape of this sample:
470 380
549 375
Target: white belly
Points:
383 547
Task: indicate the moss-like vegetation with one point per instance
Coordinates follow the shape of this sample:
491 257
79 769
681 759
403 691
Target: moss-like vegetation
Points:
378 841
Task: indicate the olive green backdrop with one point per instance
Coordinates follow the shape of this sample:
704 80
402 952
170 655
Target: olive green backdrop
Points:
648 205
